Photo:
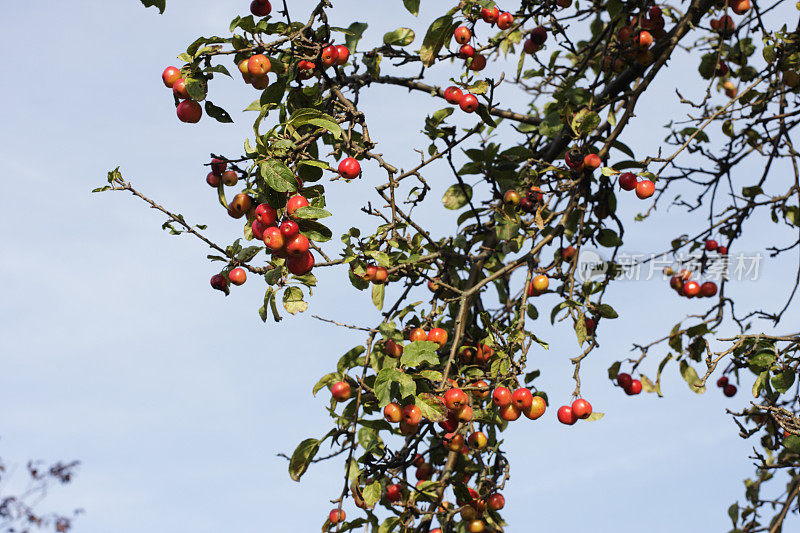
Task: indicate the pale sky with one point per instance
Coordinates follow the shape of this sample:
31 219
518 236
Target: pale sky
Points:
115 351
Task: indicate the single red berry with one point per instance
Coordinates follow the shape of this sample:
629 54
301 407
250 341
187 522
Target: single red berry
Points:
627 181
505 20
711 245
469 103
462 35
522 398
170 76
237 276
260 8
297 245
453 95
295 203
501 397
635 388
538 35
691 289
289 229
645 189
219 282
300 264
266 214
708 289
466 51
721 382
343 54
566 416
190 112
336 516
624 380
581 408
490 15
349 168
330 56
729 390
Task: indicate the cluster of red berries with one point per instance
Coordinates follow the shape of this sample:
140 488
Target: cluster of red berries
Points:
724 24
255 71
474 61
532 199
631 386
219 174
236 276
536 38
478 355
629 181
512 405
377 275
577 162
728 389
188 110
579 410
331 55
684 285
713 246
285 241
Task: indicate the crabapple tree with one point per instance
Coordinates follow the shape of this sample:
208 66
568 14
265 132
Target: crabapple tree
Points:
417 408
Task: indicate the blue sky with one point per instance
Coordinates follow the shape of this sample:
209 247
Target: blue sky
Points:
114 350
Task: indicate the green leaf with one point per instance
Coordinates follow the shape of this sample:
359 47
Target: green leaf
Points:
733 512
349 359
418 352
792 443
278 176
456 196
326 380
585 121
759 384
293 300
302 457
608 238
248 253
761 361
783 381
356 30
310 213
432 407
314 117
161 5
399 37
314 230
371 494
383 385
196 89
483 112
389 525
606 311
596 415
551 125
412 6
613 370
217 113
608 171
437 36
378 293
690 376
